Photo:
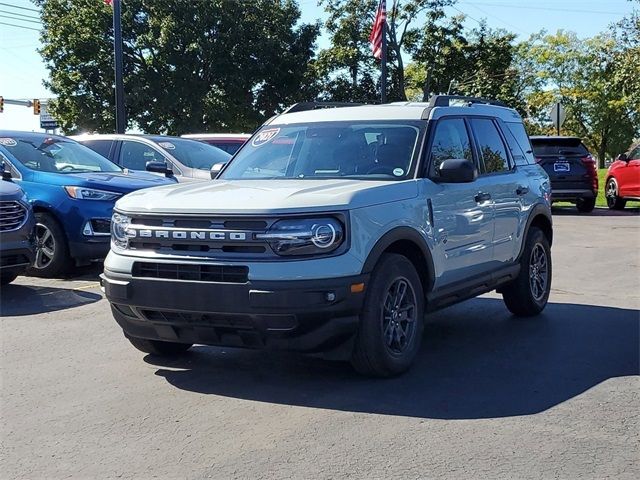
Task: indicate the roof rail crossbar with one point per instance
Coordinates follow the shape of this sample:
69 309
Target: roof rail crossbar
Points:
304 106
445 100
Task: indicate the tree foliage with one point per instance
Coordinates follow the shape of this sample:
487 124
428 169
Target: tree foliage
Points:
189 66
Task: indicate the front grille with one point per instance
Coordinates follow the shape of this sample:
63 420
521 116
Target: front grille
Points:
12 215
211 237
192 272
235 321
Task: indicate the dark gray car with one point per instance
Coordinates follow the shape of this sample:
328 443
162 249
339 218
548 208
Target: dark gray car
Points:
16 230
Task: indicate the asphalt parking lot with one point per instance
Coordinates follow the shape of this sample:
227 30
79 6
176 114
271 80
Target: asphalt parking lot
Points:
557 396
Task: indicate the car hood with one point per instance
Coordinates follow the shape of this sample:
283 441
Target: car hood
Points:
266 196
124 182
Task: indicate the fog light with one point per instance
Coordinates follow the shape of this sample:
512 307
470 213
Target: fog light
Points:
330 296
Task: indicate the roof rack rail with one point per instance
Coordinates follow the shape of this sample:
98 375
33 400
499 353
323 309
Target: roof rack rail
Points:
304 106
445 100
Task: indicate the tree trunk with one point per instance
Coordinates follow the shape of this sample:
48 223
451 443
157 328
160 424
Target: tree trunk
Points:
426 88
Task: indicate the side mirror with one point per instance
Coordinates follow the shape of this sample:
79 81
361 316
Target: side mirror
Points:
159 167
6 173
623 157
457 170
215 169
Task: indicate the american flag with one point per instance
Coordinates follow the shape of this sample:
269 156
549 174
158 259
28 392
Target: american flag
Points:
375 39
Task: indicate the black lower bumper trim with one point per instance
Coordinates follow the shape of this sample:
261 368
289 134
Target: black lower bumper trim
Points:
310 316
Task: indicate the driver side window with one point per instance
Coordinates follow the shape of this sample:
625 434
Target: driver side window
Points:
451 140
135 155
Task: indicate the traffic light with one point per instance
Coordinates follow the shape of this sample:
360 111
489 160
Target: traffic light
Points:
36 106
1 104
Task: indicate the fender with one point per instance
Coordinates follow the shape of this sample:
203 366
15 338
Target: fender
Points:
536 211
398 234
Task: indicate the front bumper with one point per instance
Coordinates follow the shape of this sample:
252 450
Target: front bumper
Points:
315 316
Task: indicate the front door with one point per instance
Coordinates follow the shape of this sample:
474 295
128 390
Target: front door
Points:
462 212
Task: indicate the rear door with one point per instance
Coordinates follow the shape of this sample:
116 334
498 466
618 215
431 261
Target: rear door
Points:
562 159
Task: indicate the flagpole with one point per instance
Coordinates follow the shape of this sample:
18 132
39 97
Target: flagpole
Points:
383 62
117 48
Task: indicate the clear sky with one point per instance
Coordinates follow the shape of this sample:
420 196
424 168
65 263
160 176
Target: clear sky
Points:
22 70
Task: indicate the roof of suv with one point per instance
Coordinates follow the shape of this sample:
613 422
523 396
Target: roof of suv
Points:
396 111
119 136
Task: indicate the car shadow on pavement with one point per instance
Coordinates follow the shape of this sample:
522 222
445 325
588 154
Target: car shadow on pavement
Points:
476 361
20 300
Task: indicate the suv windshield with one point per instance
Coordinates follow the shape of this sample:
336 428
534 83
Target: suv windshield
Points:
51 154
366 150
193 154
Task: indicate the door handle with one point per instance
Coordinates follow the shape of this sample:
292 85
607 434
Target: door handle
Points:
482 197
522 190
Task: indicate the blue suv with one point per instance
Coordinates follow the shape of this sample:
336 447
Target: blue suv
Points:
72 190
335 230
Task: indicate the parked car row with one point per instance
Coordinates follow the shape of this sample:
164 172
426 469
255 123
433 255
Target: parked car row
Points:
57 195
574 176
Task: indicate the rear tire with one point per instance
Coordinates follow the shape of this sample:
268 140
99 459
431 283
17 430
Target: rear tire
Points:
586 205
528 294
391 322
52 251
7 278
614 202
157 347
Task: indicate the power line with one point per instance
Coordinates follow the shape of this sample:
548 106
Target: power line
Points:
498 18
553 9
20 26
21 8
18 19
21 15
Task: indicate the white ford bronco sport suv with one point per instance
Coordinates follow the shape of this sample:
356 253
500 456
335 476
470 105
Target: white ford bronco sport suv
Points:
334 230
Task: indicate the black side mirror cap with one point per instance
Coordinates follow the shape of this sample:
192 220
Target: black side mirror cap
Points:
457 170
6 173
159 167
623 157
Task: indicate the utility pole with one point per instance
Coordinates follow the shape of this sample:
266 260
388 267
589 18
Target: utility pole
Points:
117 49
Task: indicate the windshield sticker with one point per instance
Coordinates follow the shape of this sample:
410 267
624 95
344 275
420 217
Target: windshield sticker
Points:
265 136
398 172
8 142
167 145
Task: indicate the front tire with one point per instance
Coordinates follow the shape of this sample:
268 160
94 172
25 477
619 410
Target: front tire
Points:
586 205
391 322
157 347
52 251
614 202
528 294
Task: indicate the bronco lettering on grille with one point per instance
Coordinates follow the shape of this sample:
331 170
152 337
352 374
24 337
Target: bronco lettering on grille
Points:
188 234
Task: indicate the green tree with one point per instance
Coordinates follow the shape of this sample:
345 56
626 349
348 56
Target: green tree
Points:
585 76
189 66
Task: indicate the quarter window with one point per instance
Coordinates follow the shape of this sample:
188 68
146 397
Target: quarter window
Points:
135 155
492 150
450 140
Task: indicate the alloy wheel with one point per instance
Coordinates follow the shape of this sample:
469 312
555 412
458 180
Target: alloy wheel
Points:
45 246
538 272
399 316
611 193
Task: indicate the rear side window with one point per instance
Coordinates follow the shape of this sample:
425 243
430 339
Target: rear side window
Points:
450 140
516 131
492 149
103 147
558 146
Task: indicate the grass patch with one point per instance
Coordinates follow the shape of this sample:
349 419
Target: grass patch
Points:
601 201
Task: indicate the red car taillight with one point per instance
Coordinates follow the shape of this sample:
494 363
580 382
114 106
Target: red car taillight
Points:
590 165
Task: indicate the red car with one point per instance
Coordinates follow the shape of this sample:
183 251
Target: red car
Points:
623 179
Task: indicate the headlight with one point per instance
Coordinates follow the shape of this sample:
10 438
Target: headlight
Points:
304 236
82 193
119 225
